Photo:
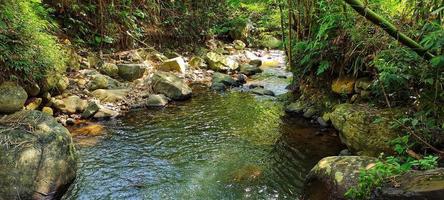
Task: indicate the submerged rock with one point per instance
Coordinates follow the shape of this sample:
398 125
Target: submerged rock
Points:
365 130
175 64
415 185
12 97
157 100
333 176
38 159
170 85
89 130
131 72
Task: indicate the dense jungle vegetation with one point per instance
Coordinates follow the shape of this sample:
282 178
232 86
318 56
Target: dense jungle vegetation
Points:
397 43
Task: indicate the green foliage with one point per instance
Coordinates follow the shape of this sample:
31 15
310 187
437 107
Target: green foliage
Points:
389 167
28 51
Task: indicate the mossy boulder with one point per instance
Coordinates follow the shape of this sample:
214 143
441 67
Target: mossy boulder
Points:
333 176
197 62
343 85
71 104
239 45
38 159
12 97
269 41
221 82
365 130
415 185
131 72
216 61
249 70
99 81
109 69
170 85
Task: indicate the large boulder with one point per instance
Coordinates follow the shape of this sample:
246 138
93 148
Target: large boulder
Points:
170 85
157 100
12 97
415 185
221 63
176 64
38 159
109 69
99 81
221 82
110 96
365 130
71 104
333 176
131 72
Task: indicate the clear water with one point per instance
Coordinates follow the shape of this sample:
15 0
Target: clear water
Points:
215 146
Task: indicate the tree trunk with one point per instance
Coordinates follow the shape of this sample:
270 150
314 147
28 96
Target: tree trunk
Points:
389 28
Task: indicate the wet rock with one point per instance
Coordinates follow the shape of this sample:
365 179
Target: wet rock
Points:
105 113
416 185
32 89
197 63
176 64
242 79
239 45
110 96
12 97
48 111
131 72
295 108
109 69
92 109
322 122
262 91
333 176
70 122
249 70
89 130
222 81
38 159
343 85
170 85
360 131
157 100
256 62
345 152
71 104
247 173
34 104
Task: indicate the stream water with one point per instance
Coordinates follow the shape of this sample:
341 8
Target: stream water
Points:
232 145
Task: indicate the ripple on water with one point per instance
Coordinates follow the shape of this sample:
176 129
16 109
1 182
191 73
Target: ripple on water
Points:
215 146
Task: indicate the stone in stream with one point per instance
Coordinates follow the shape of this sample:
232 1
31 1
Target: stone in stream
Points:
92 109
38 159
222 81
170 85
333 176
131 72
256 62
176 65
239 45
157 100
71 104
360 131
249 70
48 111
105 113
262 91
12 97
221 63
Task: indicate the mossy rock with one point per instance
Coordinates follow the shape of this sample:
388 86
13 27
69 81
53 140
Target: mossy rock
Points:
12 97
131 72
365 130
170 85
38 159
343 85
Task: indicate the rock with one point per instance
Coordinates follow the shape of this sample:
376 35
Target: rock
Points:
94 60
321 122
309 113
62 84
197 62
359 131
160 57
89 130
175 64
216 61
71 104
239 45
70 122
333 176
345 152
37 156
295 108
256 62
249 69
34 104
363 84
241 31
242 79
104 113
131 72
157 100
270 42
99 81
110 96
170 85
415 185
73 61
12 97
219 79
343 85
231 64
262 91
247 173
48 111
109 69
32 89
92 109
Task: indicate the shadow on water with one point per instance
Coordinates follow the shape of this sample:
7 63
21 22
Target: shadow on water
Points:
215 146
